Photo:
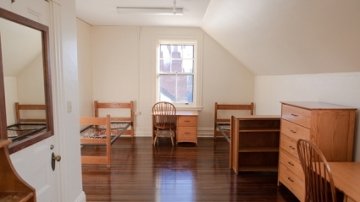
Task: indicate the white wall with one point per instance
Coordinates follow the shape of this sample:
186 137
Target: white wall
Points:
123 60
31 83
337 88
85 72
11 96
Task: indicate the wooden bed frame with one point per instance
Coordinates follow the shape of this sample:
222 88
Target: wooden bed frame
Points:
221 124
23 127
23 107
97 123
119 106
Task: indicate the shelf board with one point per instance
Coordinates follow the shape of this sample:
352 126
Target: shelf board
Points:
243 168
259 149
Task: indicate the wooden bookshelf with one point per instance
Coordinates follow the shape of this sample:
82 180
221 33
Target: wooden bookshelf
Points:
254 143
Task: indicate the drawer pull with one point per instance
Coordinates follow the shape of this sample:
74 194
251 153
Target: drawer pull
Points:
290 163
291 180
294 115
293 131
187 121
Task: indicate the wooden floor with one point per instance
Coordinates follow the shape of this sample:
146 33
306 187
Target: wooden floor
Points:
184 173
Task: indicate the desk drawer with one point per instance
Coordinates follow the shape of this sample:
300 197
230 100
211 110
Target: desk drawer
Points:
294 131
186 134
187 121
296 115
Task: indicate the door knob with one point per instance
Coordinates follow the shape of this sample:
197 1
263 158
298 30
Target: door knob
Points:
54 158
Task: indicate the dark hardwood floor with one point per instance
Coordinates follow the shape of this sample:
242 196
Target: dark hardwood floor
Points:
185 173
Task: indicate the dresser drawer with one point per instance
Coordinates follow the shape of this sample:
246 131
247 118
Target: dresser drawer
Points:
289 145
292 164
294 131
187 121
296 115
292 182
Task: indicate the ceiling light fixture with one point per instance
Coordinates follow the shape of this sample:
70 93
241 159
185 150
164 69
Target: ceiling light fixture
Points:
151 10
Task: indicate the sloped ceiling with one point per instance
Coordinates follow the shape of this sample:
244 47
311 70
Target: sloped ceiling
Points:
20 45
288 36
269 37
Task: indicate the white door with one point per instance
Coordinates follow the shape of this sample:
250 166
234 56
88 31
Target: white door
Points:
33 164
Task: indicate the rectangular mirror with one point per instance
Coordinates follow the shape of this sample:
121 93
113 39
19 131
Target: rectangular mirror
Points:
26 92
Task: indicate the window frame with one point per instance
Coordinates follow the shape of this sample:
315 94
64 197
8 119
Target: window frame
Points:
194 43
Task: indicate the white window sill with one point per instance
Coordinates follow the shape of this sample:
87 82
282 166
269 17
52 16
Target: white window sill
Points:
189 108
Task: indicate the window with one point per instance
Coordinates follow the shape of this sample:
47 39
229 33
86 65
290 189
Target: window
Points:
176 68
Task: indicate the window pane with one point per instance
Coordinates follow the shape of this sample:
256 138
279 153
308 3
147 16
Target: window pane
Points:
167 88
176 73
176 51
188 51
187 66
164 66
165 51
185 88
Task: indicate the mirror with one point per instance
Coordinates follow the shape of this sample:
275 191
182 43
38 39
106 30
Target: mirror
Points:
26 81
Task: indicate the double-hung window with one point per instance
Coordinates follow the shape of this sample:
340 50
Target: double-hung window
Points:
176 72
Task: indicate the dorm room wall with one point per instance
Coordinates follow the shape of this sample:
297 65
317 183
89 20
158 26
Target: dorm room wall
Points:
337 88
123 61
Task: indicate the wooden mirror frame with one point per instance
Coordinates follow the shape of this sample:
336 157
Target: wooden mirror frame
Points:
18 145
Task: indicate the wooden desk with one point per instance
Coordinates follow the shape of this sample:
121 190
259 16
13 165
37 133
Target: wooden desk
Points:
346 176
186 126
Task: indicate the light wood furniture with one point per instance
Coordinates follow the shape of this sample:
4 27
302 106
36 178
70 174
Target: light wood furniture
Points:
346 176
120 112
330 127
96 132
319 184
186 126
254 143
12 187
163 121
25 125
28 107
222 118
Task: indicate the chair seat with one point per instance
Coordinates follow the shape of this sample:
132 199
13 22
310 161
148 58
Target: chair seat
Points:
165 127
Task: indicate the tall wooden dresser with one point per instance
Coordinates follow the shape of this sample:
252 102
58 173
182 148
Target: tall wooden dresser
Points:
329 126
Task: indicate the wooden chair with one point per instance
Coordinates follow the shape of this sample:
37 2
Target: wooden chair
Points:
221 123
96 132
126 109
164 121
29 107
319 184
